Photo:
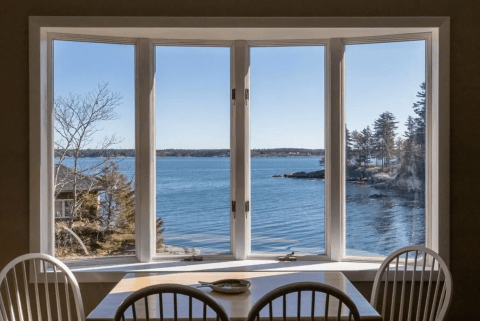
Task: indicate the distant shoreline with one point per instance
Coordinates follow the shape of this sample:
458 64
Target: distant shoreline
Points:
273 152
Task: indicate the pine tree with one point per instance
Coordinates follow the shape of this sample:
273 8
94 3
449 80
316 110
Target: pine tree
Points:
357 142
399 146
412 166
384 135
117 209
368 144
420 109
409 146
348 143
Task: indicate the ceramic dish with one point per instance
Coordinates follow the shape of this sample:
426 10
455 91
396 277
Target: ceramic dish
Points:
230 286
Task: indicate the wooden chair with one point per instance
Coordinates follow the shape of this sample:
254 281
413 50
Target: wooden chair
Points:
322 298
154 294
422 265
18 301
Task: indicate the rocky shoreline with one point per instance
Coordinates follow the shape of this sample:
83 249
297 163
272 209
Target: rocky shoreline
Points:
404 185
309 175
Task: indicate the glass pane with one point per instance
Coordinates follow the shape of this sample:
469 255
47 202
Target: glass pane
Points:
385 137
193 141
287 149
94 133
68 207
58 208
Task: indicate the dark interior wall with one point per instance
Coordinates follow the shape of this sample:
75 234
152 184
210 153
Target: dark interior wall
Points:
465 95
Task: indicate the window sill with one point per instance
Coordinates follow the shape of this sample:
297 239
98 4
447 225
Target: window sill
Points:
113 269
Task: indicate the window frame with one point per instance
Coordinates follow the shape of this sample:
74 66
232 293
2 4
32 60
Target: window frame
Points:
44 29
63 201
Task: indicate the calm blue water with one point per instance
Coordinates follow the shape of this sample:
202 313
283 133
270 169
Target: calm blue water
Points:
193 198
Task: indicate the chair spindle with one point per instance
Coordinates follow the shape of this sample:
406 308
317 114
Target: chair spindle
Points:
47 293
147 313
412 287
27 293
160 303
394 291
427 300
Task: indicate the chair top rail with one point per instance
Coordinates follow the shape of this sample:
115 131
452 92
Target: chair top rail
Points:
169 288
303 287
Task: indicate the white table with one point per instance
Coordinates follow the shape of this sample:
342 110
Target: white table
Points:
238 305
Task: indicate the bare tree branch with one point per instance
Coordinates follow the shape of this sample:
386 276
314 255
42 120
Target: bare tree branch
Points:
76 125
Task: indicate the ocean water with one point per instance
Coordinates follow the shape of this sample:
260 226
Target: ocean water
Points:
193 199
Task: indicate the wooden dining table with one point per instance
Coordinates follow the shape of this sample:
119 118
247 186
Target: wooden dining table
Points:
237 306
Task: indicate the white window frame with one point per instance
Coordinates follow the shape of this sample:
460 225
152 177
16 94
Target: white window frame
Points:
63 201
145 33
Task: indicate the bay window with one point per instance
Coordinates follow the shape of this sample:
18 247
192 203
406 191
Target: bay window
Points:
254 142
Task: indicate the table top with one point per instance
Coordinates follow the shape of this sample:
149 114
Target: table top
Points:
236 305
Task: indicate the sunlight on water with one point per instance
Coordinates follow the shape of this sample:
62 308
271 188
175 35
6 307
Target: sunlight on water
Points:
375 226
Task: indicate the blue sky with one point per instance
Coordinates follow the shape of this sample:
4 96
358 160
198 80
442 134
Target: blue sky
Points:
287 90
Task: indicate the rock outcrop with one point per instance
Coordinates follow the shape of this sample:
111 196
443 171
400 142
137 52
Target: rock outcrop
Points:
310 175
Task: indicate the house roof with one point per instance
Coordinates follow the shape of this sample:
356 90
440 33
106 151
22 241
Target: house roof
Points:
65 178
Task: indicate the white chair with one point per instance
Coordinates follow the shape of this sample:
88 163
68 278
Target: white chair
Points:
432 277
18 301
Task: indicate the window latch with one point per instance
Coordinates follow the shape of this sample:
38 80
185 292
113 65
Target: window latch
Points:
234 205
233 94
247 94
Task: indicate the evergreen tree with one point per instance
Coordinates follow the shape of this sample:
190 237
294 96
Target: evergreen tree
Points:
399 146
409 146
384 135
420 109
117 196
348 143
357 142
368 144
117 209
412 166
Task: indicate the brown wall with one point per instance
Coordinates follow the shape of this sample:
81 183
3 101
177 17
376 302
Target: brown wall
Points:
465 98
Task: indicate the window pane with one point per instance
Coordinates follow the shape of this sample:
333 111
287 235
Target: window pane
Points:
385 136
94 133
58 209
287 149
193 141
68 207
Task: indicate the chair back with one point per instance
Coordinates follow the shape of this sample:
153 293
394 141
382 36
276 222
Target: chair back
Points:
310 300
24 297
423 269
162 301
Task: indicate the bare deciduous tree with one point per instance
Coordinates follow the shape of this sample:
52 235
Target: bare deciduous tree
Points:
76 124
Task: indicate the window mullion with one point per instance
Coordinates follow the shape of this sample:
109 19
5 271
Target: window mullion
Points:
334 152
145 156
241 153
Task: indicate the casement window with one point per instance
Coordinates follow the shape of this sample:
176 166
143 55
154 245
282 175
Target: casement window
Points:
309 86
63 208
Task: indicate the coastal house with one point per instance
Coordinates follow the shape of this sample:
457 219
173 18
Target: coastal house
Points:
65 189
20 172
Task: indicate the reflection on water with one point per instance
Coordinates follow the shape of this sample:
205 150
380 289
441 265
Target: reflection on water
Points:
379 225
193 198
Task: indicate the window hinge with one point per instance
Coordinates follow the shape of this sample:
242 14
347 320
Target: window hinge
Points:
234 204
233 94
247 94
247 206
